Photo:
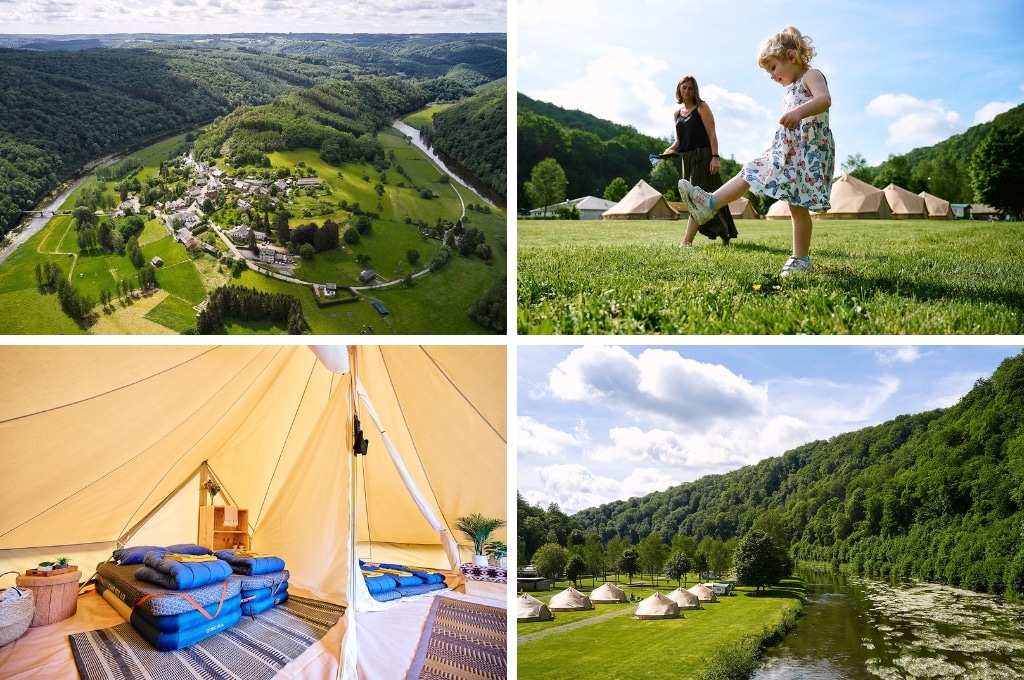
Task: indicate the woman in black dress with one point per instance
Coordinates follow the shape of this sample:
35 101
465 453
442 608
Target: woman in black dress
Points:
697 142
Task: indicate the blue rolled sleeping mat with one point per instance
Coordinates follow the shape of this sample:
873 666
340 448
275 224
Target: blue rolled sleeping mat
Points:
428 577
407 582
168 618
251 563
262 591
175 571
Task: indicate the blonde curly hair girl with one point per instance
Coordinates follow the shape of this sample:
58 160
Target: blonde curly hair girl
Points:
777 46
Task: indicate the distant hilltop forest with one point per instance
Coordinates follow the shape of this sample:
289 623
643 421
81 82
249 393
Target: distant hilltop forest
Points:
65 106
937 496
593 152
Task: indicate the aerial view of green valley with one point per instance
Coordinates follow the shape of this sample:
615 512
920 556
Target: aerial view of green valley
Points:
253 183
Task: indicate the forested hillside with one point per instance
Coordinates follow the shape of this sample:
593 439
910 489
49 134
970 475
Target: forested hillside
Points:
936 495
591 151
473 132
63 109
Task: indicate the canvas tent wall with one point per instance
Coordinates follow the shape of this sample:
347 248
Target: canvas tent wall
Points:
608 593
643 202
853 199
904 204
703 593
742 209
569 600
779 210
938 209
530 610
103 444
684 598
657 606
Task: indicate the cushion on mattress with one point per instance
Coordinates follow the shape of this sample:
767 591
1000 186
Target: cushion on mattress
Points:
181 575
425 576
251 566
166 641
188 549
135 554
176 622
121 581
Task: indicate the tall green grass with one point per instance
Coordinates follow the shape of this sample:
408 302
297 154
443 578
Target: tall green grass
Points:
871 277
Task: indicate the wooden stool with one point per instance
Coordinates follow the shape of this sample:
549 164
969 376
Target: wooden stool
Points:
56 596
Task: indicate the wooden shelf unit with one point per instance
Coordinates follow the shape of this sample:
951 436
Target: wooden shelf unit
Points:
215 536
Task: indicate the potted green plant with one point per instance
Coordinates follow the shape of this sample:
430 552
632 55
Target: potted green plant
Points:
478 530
45 566
497 550
63 563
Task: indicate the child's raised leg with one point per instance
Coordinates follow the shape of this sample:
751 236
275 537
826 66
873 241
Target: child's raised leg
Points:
800 262
702 206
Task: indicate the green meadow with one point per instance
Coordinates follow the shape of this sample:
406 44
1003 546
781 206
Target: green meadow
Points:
610 644
871 277
435 303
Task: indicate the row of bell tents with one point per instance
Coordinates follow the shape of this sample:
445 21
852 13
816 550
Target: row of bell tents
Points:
657 606
851 199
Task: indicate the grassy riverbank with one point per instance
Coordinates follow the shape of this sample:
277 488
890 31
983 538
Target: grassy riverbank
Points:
611 645
871 277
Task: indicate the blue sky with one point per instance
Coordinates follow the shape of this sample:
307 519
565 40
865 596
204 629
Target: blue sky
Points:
596 423
902 74
253 16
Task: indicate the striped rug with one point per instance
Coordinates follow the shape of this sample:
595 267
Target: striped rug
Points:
253 649
461 641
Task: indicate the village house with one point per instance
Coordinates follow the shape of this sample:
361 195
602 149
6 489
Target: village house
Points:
308 182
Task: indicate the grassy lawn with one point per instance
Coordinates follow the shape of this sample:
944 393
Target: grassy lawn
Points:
621 647
420 118
871 277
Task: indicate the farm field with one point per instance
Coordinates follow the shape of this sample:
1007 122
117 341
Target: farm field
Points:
871 277
610 644
435 303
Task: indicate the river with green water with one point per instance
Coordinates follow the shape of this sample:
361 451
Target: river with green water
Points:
858 629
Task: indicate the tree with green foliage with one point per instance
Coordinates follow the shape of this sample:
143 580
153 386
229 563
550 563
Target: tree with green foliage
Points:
575 567
857 166
616 190
665 176
550 561
758 561
652 552
629 563
997 169
412 256
677 567
547 184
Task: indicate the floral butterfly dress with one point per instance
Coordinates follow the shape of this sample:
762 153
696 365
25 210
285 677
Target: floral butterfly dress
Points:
797 168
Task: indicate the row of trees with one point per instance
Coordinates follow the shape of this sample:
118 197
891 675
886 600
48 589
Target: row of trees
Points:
248 304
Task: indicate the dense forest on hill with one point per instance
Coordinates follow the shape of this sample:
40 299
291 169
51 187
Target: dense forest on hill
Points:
63 109
473 133
591 151
937 495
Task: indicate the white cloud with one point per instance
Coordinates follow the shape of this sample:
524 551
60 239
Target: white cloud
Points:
743 126
659 383
574 486
618 86
540 439
991 110
899 355
917 122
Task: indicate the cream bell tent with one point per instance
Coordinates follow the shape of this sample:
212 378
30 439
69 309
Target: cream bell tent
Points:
105 446
703 593
938 209
779 210
529 610
904 204
609 593
742 209
853 199
657 606
643 202
685 599
569 600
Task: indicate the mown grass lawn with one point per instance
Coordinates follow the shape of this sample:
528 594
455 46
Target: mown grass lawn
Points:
421 118
622 647
871 277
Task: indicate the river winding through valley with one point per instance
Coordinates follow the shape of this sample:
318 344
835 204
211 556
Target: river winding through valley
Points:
856 629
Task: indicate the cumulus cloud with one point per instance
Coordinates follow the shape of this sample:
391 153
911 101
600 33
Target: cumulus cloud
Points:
991 110
537 438
658 383
574 486
899 355
918 122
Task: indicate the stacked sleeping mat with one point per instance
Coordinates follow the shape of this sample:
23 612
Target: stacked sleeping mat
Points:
262 579
173 596
388 582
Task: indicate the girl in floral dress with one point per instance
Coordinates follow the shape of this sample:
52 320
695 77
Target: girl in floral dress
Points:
797 168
